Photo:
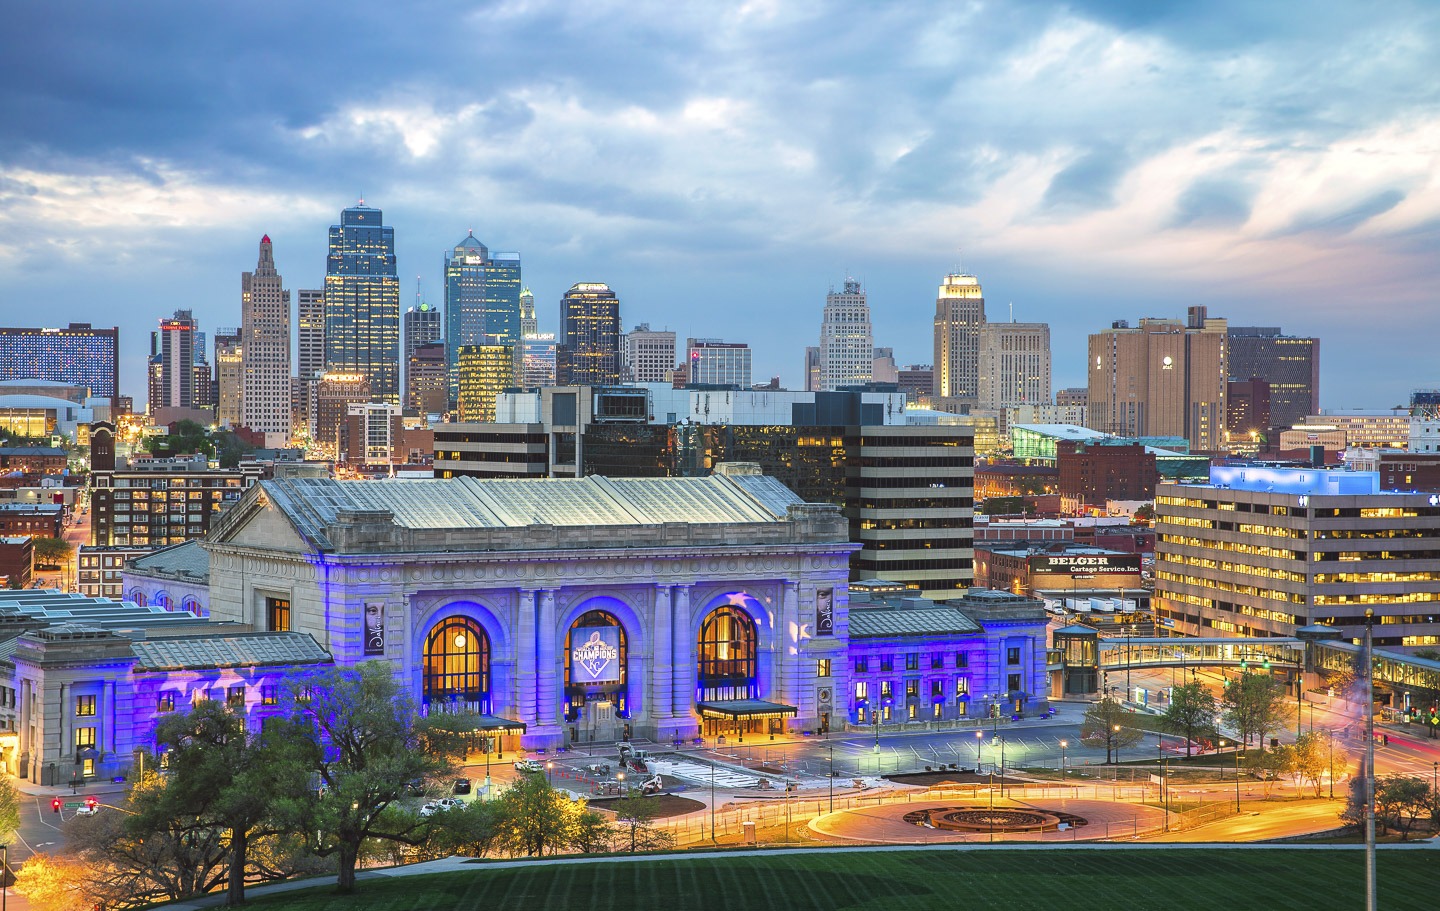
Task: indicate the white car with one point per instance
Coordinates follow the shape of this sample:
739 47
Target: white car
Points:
439 806
528 765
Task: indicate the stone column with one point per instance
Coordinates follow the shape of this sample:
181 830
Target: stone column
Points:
547 670
525 656
662 668
682 654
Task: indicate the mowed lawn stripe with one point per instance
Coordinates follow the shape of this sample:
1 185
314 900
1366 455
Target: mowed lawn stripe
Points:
1181 879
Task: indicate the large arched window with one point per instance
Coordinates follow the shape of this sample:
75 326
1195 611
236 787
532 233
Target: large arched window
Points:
727 655
457 665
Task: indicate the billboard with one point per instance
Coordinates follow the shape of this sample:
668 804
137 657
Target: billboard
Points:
1085 564
594 654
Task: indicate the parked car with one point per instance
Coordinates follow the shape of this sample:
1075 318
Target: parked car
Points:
528 765
439 806
462 786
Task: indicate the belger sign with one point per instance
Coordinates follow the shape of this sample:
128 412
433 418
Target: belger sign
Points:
595 655
1085 563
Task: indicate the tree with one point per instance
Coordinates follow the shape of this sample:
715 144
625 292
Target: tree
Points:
1399 801
1105 725
374 744
636 814
535 819
54 882
239 782
1254 705
52 551
1191 711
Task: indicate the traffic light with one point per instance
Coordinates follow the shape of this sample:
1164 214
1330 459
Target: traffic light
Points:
55 805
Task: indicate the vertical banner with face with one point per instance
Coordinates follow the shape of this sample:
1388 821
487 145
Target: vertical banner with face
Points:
594 654
374 627
825 612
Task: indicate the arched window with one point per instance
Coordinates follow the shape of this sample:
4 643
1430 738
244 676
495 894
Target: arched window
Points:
457 665
727 652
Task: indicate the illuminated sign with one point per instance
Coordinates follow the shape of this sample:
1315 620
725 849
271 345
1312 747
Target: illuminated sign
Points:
595 654
1085 563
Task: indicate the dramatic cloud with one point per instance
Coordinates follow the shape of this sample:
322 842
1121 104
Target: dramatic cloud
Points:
721 165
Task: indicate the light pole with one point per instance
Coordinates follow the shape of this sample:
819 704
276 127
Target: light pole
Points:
979 735
1063 745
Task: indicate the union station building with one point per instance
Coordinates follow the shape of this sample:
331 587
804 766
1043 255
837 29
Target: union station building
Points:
558 610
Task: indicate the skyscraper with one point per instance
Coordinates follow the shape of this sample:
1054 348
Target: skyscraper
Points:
420 326
646 355
847 345
78 355
230 378
589 349
1163 379
1014 365
1289 364
959 314
482 298
362 302
172 357
265 346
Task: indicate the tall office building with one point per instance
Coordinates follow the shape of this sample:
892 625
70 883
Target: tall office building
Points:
959 317
485 371
1014 365
79 355
529 325
265 346
419 326
1163 379
589 350
647 355
713 362
847 346
482 298
230 379
172 362
537 360
426 388
362 302
1289 364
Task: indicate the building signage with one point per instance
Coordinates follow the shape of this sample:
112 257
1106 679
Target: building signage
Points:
825 612
595 654
1085 563
374 628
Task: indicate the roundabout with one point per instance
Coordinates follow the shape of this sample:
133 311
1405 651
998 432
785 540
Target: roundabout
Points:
939 821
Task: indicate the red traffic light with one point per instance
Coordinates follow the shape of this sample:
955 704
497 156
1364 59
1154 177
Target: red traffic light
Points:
55 805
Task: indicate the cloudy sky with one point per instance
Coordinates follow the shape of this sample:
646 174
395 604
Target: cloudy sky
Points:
721 165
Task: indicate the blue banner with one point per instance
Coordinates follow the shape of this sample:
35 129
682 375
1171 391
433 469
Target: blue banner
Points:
594 654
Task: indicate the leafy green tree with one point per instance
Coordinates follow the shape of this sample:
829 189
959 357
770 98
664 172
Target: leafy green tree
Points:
1400 800
1254 705
1106 724
535 818
241 782
375 743
1191 712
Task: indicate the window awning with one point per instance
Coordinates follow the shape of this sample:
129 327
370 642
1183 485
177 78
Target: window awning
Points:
745 708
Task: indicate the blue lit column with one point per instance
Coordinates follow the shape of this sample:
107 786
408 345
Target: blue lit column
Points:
547 668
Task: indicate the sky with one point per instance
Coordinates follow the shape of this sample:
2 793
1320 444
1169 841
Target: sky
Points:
723 164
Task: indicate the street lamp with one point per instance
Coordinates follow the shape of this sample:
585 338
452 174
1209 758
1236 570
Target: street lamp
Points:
1063 745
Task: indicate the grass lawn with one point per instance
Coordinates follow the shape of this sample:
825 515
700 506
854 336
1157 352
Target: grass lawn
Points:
1046 880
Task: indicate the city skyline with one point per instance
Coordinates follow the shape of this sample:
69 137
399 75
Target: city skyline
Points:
1088 162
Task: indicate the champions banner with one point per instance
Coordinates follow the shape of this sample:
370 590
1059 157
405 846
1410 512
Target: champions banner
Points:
595 654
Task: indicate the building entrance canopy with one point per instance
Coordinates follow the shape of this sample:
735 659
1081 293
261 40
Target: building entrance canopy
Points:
744 708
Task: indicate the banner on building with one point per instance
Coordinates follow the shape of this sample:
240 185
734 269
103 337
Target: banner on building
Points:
594 654
825 612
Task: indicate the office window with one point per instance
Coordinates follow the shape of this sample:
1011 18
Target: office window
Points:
277 614
1012 655
84 705
822 667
